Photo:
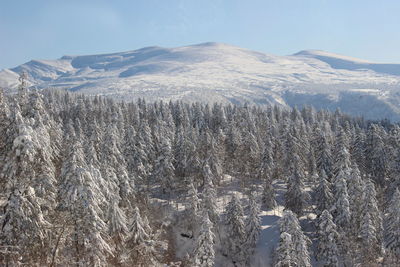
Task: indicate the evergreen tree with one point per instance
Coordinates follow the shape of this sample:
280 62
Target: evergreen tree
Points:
141 161
193 209
290 224
250 148
139 242
233 141
355 190
312 167
80 197
116 165
341 153
214 161
164 169
19 167
392 225
210 196
145 140
371 213
22 96
285 252
24 235
341 208
323 196
265 174
268 195
324 155
296 197
267 162
204 254
5 123
357 149
369 239
117 230
327 250
235 231
253 227
377 157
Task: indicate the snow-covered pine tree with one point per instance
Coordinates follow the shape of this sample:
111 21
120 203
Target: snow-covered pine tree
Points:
115 164
22 95
235 231
117 230
140 245
342 163
249 147
323 196
141 160
370 209
392 226
268 195
163 172
5 145
284 253
209 201
324 155
312 167
204 253
370 247
296 198
266 167
327 250
292 151
265 174
218 119
129 150
376 154
357 149
394 174
233 141
181 153
19 166
24 230
95 136
44 169
355 191
214 161
341 153
80 198
145 140
290 224
192 210
194 164
341 208
253 227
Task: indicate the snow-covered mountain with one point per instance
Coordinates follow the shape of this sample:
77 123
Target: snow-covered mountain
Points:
224 73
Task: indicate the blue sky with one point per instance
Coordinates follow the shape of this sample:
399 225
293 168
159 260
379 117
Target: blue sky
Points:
39 29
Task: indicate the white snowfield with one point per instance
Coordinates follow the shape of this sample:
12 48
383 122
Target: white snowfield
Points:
213 72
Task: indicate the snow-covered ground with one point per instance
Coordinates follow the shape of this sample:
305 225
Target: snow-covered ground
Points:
269 236
213 72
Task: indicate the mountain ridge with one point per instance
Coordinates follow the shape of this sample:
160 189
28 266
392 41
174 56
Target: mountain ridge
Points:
218 72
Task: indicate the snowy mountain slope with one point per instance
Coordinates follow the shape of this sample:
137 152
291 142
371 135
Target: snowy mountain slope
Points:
349 63
219 72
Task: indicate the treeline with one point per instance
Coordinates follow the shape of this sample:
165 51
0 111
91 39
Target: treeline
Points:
89 181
